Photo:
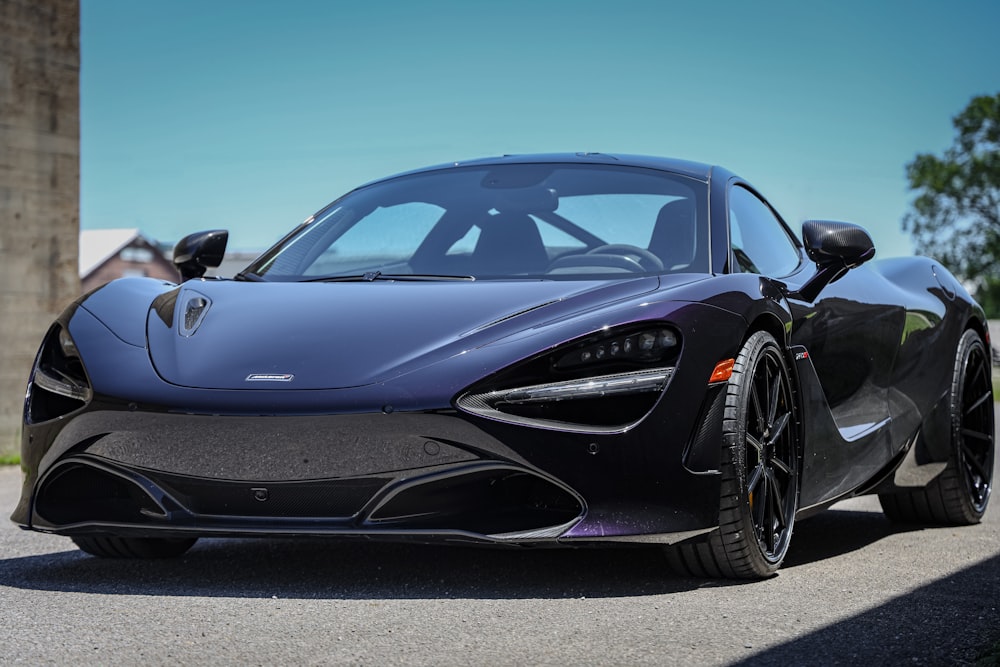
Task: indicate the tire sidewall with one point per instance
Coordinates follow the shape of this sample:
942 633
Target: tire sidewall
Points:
754 352
968 345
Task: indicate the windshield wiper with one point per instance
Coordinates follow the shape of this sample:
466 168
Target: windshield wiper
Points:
372 276
249 277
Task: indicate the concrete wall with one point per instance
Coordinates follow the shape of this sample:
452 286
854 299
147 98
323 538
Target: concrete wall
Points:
39 185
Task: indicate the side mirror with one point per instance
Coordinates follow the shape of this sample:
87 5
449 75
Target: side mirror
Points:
836 247
196 253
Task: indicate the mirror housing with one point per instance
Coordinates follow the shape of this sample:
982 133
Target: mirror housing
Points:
829 242
836 247
196 253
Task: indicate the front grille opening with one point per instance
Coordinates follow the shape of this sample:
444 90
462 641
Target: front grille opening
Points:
331 498
488 502
80 493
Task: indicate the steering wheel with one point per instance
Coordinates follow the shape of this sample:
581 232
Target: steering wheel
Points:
646 260
617 263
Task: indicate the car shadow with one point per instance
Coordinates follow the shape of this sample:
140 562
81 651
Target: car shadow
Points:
837 532
948 621
318 568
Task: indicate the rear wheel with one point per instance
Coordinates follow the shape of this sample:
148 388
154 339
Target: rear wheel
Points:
760 471
958 495
133 547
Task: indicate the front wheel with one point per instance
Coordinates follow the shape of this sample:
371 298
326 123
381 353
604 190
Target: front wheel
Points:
760 471
958 495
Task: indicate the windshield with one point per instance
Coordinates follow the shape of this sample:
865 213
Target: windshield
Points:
512 221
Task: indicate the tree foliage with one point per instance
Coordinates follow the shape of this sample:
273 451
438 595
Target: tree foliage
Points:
956 214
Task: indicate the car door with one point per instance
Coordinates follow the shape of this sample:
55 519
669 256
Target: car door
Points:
845 342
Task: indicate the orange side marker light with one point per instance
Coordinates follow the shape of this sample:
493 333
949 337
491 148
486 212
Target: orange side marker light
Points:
722 371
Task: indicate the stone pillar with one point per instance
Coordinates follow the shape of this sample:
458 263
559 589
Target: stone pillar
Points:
39 186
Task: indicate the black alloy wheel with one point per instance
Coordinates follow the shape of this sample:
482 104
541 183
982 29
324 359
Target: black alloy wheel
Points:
760 471
960 494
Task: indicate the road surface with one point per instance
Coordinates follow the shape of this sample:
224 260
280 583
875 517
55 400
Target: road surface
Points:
854 590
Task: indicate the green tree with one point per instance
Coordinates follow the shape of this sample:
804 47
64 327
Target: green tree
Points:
956 214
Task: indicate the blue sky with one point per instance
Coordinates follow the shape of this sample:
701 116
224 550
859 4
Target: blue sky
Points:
250 115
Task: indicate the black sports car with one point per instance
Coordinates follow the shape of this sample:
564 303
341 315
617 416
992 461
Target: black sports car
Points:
537 350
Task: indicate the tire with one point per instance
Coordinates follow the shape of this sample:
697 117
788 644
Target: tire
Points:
760 471
133 547
960 494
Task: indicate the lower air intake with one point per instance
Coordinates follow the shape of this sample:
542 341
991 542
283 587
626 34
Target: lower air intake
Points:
77 493
492 501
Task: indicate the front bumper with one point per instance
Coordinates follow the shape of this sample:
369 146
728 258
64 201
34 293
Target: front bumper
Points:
430 476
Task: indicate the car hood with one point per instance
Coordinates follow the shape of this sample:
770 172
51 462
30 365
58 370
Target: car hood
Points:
251 335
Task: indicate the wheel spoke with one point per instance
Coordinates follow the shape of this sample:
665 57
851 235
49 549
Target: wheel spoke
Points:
779 505
759 508
976 435
757 410
781 465
754 479
977 369
772 398
756 444
767 525
972 461
777 428
769 528
988 396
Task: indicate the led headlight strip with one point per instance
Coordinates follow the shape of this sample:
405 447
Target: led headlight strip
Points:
595 387
62 384
489 404
58 368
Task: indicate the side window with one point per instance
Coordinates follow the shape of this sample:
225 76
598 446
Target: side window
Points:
759 241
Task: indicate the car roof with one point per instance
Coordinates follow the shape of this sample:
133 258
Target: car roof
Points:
695 170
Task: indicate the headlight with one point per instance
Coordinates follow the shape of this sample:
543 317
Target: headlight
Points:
59 383
595 387
642 346
601 384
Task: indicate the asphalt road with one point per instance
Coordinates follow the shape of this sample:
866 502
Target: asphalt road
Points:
854 590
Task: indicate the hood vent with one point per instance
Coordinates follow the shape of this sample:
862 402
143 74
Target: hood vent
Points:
195 308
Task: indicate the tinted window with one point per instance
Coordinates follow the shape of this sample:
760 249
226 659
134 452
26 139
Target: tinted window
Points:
759 241
550 221
388 237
